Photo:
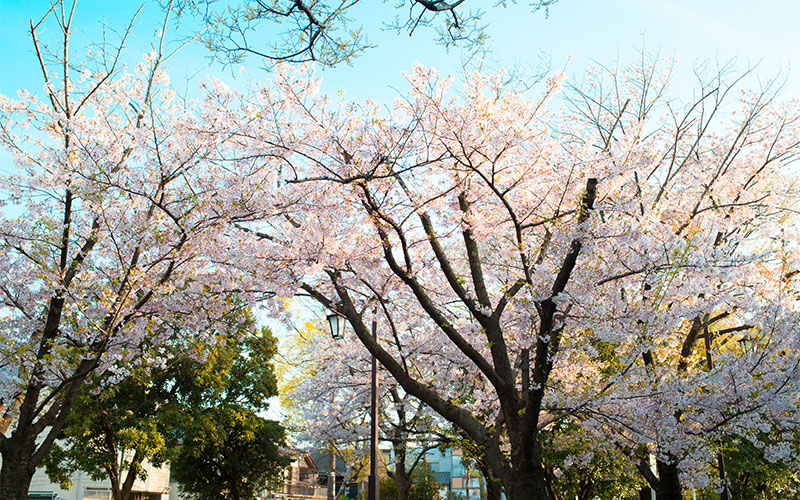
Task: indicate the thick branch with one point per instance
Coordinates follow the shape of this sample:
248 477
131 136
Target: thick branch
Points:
549 332
450 411
432 311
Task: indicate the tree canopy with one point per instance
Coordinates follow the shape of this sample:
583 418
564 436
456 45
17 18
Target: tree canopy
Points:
600 254
184 413
562 262
228 452
113 233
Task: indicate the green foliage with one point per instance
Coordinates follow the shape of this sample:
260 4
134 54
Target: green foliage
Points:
228 452
752 476
121 419
148 414
579 467
423 485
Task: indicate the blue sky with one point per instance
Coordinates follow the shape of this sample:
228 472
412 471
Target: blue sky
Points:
589 30
605 31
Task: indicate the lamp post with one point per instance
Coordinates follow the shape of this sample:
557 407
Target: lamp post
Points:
337 324
720 458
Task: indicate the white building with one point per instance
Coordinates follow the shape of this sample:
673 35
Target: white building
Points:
154 487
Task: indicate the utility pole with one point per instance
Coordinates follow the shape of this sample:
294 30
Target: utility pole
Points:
373 490
720 458
331 473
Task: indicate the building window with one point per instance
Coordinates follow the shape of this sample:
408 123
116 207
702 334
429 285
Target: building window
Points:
96 494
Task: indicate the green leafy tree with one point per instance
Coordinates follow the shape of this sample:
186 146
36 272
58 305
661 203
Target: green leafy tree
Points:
228 452
110 435
579 467
750 475
149 413
423 485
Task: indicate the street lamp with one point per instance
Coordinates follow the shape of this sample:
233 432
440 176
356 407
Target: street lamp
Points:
337 323
747 343
724 495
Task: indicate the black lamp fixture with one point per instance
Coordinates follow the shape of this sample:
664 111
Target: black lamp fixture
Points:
748 344
337 323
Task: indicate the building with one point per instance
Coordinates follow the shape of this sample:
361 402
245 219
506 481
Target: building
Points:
346 487
155 487
456 477
301 480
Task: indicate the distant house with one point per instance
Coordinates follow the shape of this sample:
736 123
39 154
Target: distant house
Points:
304 479
456 478
343 487
301 480
155 487
307 477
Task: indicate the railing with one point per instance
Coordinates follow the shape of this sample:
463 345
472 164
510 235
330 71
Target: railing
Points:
304 490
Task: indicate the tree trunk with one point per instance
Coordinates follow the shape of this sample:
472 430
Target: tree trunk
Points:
18 450
234 484
401 478
124 490
669 485
403 483
527 486
548 474
493 489
17 471
526 482
527 477
586 490
116 493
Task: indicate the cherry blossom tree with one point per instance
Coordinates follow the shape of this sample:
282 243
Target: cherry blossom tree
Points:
716 306
527 262
329 395
523 262
437 287
116 229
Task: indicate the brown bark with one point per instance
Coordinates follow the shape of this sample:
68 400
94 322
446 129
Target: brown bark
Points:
586 490
124 490
493 489
403 483
401 478
527 478
21 453
17 470
669 485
